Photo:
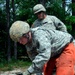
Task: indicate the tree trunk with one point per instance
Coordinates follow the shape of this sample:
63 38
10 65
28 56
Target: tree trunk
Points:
7 29
42 2
73 14
73 11
64 5
15 44
15 50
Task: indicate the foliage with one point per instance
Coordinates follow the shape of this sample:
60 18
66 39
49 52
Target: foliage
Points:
24 10
70 19
3 33
56 9
13 64
72 6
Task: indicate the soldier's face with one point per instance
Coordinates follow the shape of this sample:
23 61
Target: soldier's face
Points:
40 15
26 38
23 40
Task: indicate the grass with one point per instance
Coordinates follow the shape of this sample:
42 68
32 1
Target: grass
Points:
8 66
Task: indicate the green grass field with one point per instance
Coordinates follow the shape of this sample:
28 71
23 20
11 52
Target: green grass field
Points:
8 66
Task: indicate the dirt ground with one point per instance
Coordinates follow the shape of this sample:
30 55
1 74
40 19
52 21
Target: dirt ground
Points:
19 70
13 72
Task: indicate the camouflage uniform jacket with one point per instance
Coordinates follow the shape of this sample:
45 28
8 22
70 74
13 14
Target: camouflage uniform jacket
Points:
45 44
52 21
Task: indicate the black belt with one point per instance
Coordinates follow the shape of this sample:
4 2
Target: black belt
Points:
71 40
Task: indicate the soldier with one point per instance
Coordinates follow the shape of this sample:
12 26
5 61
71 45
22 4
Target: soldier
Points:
46 48
48 21
44 19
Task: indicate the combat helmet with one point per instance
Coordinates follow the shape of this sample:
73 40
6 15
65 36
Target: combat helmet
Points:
17 29
38 8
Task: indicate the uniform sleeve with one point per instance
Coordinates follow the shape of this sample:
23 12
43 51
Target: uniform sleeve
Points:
31 52
59 24
44 53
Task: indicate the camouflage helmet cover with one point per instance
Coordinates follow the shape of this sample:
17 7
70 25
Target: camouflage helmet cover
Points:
37 8
17 29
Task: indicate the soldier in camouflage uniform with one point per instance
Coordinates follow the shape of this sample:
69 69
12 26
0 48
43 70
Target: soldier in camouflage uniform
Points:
48 21
46 48
44 19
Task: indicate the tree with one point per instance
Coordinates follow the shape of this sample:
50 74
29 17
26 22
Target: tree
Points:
42 2
15 44
63 4
8 37
73 7
73 14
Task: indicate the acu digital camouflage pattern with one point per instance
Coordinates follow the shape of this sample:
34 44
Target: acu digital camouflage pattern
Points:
45 44
52 22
